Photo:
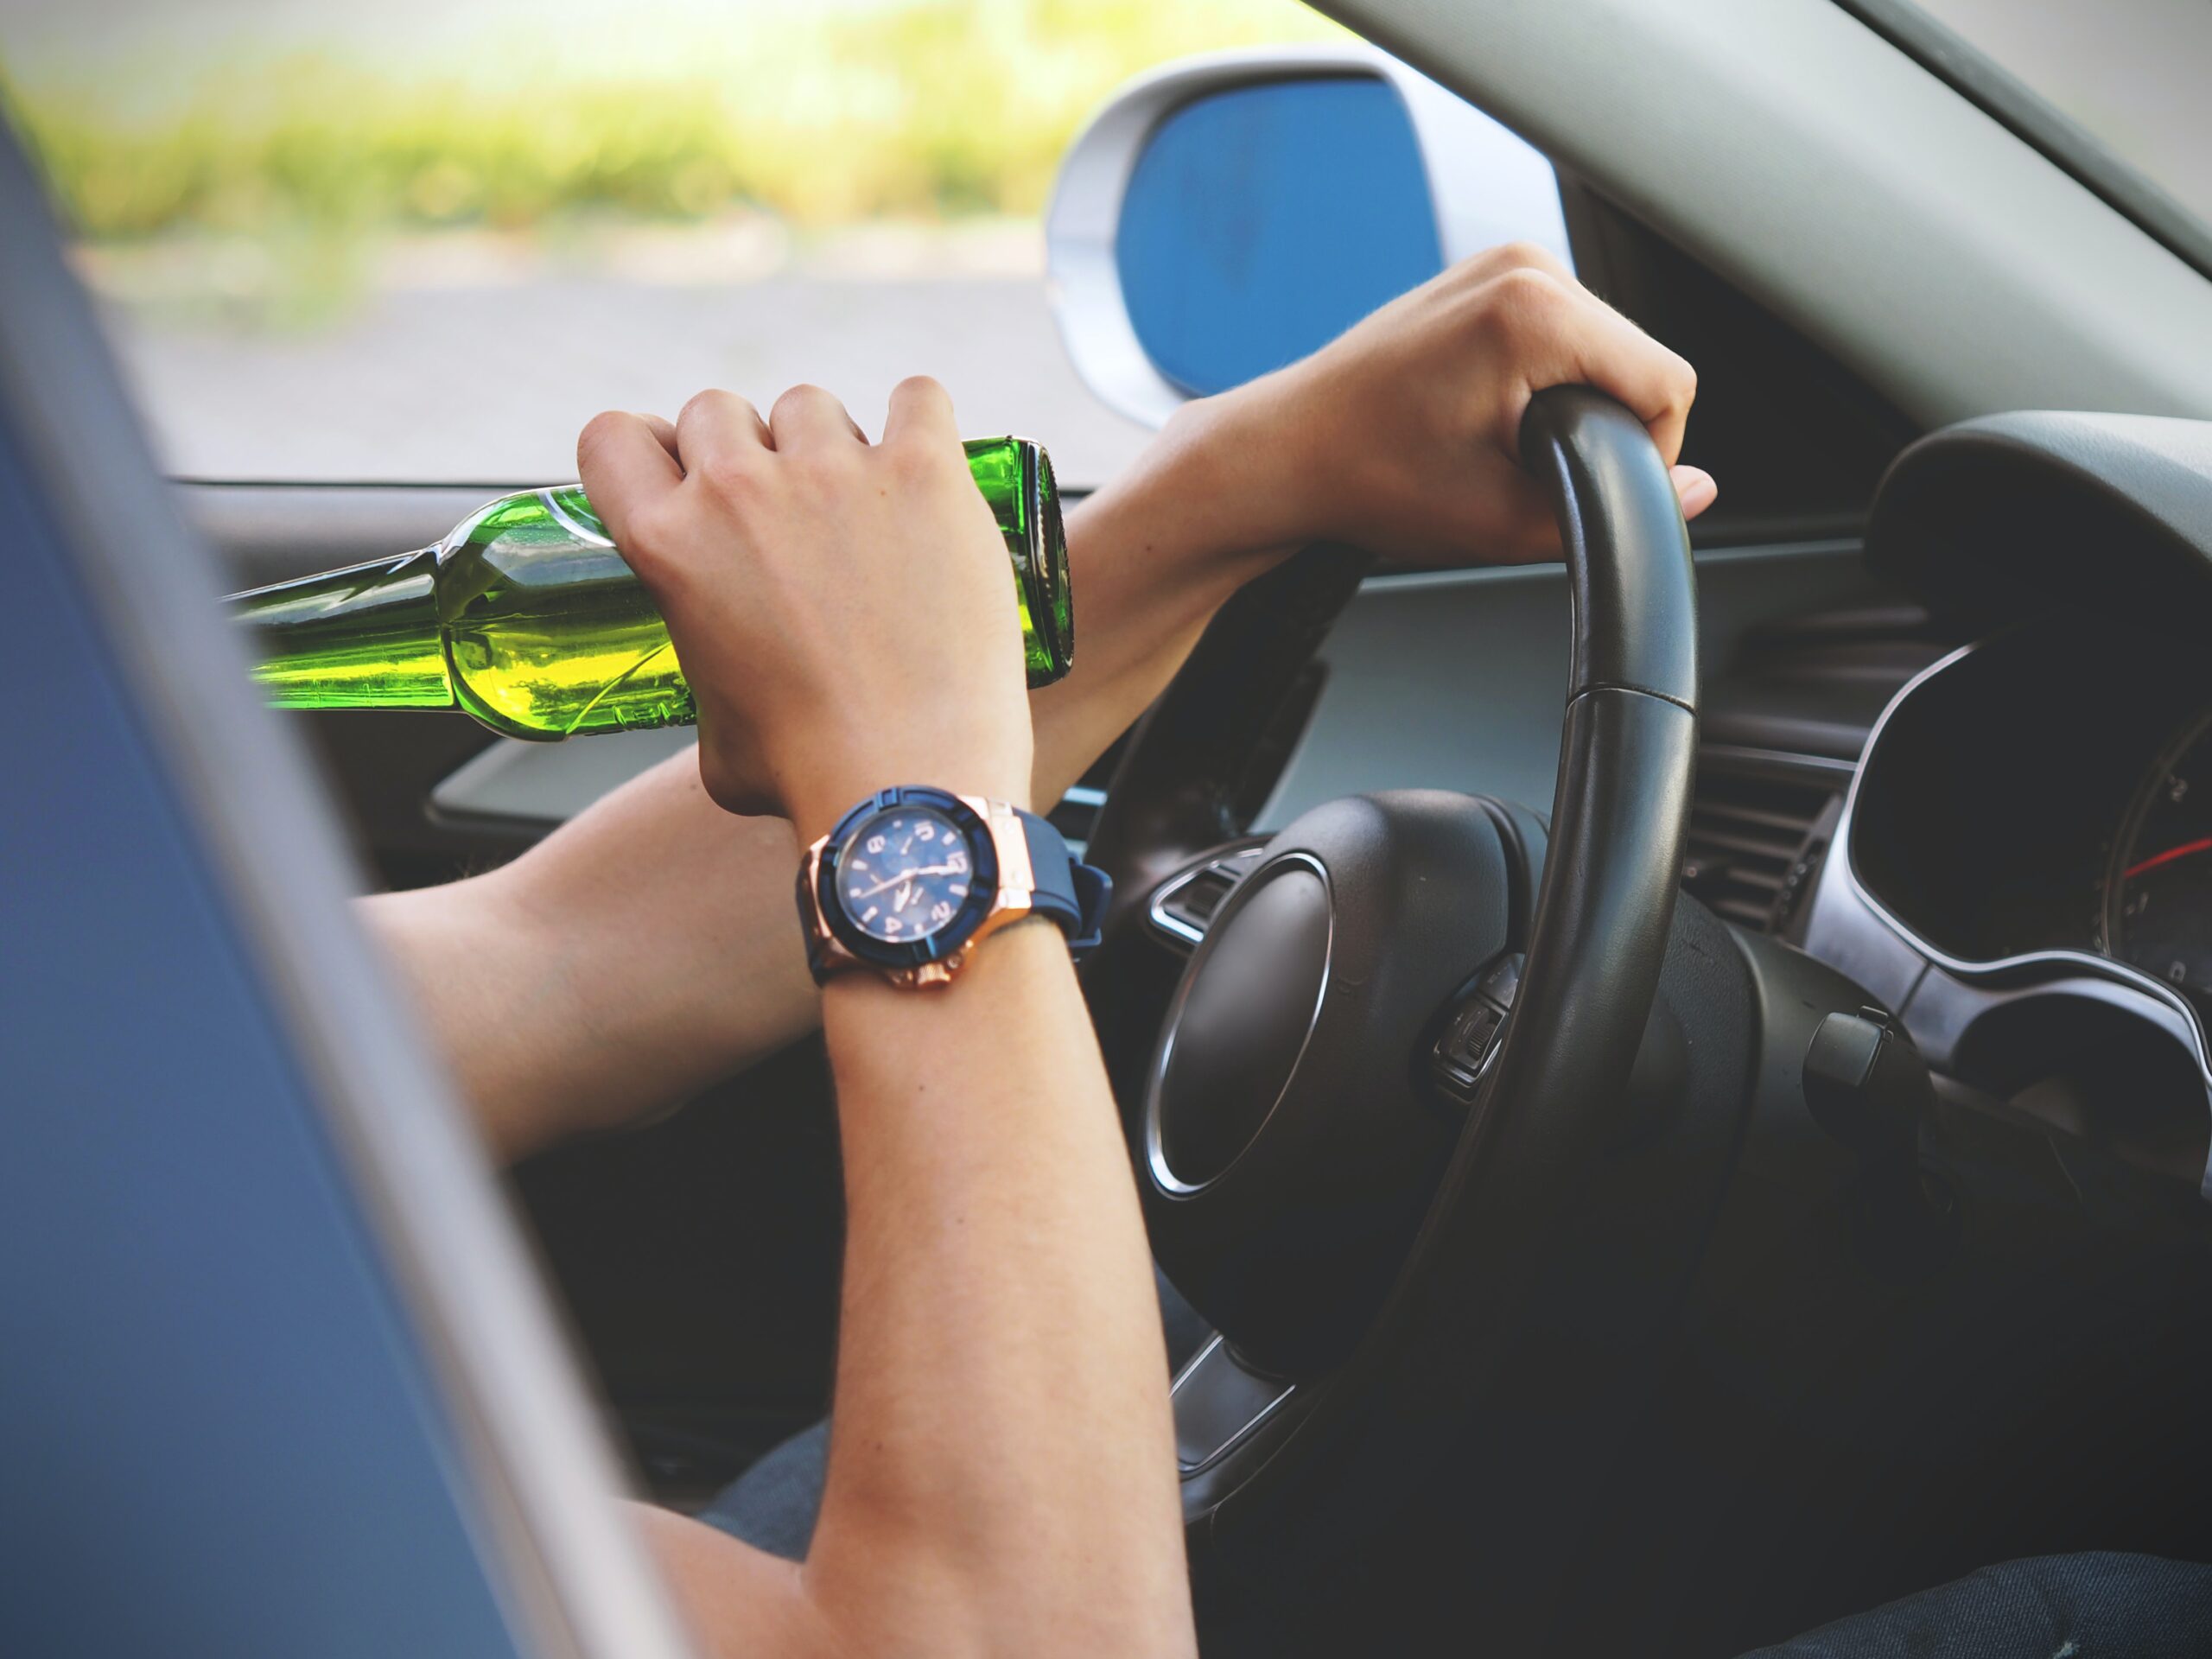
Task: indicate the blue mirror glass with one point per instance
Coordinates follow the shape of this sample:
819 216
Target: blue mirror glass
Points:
1262 222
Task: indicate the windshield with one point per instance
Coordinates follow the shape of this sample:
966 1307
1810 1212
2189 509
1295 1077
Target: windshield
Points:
2131 73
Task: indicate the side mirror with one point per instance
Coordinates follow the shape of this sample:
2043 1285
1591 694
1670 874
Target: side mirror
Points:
1229 214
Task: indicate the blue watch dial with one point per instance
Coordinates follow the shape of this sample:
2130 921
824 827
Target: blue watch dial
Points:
904 874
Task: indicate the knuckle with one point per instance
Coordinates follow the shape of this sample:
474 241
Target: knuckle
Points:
699 403
1519 255
1682 375
1524 255
1530 289
1523 302
799 397
598 432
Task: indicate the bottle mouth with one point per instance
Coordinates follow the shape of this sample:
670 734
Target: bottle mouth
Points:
1050 595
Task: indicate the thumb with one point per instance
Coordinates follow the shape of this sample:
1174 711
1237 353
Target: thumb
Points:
1696 488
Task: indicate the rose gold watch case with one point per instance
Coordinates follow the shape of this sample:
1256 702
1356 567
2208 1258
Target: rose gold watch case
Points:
1014 902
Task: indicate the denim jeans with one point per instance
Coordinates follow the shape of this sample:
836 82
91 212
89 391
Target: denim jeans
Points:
2090 1606
2048 1607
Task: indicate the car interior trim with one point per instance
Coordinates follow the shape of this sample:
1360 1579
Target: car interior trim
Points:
1928 293
1155 1149
2007 99
1211 1440
537 1464
1841 886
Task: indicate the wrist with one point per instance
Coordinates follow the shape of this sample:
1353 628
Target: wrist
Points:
832 785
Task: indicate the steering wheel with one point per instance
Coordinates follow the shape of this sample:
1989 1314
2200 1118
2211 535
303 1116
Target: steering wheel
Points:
1404 1040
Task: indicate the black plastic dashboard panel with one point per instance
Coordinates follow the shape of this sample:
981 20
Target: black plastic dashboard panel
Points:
2011 515
1967 887
1986 817
2081 547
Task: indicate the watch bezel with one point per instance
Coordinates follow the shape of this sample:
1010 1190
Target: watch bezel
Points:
946 941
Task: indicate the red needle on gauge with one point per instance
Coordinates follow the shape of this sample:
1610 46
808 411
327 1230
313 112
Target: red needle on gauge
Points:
2167 857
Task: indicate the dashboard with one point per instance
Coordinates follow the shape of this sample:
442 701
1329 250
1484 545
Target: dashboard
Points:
2050 789
2022 869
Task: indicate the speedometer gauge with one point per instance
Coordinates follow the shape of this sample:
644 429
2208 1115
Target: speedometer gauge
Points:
2159 888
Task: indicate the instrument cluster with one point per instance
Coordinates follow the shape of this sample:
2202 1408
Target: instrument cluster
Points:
2049 788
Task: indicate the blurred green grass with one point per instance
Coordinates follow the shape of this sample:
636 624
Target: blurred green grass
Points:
937 110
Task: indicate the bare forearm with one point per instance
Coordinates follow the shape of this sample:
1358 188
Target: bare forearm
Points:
1000 1349
626 962
1154 554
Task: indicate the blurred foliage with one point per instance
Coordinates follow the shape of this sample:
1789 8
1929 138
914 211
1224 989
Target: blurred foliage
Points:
938 108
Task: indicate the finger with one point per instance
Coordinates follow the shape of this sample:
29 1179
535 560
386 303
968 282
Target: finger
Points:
806 416
1516 256
663 428
1614 355
718 424
625 468
920 414
1557 334
1697 489
1526 529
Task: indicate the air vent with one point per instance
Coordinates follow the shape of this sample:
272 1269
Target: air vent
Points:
1758 830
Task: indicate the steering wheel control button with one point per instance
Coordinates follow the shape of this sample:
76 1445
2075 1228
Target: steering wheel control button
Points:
1185 905
1474 1031
1243 1024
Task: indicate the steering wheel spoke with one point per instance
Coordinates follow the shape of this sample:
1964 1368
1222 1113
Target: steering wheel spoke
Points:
1219 1401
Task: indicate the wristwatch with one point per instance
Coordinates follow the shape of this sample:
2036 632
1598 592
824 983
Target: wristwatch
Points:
912 880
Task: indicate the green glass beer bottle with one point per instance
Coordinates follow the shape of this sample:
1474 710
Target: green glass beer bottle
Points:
526 617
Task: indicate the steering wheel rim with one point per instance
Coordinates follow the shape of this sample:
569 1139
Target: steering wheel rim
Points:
1336 1450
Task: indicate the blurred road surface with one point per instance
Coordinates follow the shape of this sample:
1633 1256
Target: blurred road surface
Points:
490 383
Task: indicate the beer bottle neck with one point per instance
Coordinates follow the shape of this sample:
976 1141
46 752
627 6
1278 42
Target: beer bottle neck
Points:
365 637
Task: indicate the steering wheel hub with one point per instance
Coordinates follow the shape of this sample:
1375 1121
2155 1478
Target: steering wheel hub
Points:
1292 1139
1243 1027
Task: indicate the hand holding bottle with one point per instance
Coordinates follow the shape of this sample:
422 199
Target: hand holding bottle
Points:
839 606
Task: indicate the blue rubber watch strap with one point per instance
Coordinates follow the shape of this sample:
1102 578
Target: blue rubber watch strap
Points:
1072 894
